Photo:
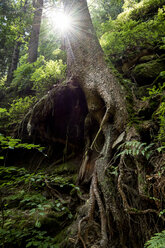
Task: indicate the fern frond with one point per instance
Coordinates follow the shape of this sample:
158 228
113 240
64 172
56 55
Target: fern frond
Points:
135 148
157 241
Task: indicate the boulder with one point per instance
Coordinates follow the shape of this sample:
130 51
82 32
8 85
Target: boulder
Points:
146 73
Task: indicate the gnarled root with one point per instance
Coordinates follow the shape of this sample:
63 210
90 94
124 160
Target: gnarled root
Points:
94 196
89 217
104 239
127 207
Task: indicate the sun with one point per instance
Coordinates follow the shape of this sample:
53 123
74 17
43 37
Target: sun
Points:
60 21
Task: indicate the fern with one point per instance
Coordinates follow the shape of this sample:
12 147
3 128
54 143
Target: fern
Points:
135 148
157 241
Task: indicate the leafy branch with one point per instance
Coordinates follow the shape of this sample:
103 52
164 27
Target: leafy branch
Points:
11 143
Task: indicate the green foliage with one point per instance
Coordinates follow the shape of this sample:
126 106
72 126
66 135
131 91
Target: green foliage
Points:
157 241
161 117
123 38
155 91
103 10
19 107
25 209
15 23
2 81
2 111
16 111
38 76
34 238
45 76
135 148
22 75
140 10
129 4
10 143
50 42
159 114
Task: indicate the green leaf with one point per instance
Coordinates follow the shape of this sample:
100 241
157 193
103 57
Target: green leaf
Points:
58 204
42 214
37 224
29 244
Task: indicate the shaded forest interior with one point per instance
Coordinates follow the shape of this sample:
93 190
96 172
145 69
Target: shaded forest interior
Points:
82 124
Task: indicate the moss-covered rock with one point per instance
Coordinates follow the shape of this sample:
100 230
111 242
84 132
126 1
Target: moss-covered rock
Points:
50 224
146 73
54 222
148 58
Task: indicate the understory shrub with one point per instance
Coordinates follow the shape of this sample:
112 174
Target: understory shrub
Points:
31 205
38 76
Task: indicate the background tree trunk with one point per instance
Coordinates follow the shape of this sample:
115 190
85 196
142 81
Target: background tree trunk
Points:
16 50
14 61
34 39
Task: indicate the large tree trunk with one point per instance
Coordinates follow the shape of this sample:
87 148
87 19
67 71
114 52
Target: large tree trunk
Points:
85 62
104 97
106 105
34 39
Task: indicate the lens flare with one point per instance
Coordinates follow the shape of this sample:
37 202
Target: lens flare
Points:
60 21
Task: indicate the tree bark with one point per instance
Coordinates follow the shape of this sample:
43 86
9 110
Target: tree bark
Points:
85 60
34 39
104 96
14 61
16 50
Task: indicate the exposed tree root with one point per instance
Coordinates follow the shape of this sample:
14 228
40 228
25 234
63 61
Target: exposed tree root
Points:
127 207
54 192
94 196
89 216
105 118
86 218
104 239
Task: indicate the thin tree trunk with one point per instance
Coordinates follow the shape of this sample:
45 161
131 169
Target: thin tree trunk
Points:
14 61
16 51
34 39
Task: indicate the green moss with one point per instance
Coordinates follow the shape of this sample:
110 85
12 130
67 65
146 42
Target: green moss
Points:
147 58
145 73
50 224
65 167
61 237
142 10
